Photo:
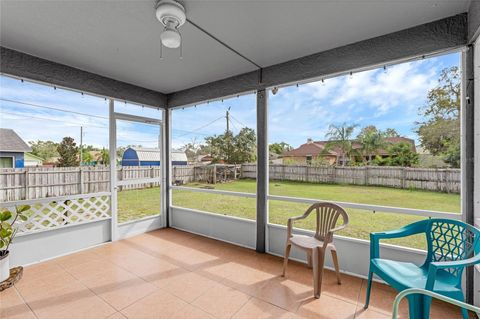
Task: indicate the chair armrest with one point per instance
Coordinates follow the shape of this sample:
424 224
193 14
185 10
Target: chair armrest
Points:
456 263
412 229
290 224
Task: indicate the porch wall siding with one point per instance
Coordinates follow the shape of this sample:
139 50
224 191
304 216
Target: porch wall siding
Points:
36 247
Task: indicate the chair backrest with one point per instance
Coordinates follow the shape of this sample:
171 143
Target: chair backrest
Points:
327 215
451 240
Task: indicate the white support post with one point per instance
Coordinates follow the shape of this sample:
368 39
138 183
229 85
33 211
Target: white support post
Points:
167 128
165 168
113 169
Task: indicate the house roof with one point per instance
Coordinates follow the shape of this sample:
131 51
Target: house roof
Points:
153 154
315 148
11 142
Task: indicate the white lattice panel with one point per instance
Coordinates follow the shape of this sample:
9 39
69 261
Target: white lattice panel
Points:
50 213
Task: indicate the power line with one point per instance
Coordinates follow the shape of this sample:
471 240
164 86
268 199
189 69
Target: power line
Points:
234 118
201 127
53 108
46 119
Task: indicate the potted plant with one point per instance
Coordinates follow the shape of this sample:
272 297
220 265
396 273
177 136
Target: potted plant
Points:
7 233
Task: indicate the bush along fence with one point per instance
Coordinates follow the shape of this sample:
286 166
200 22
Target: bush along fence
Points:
439 180
41 182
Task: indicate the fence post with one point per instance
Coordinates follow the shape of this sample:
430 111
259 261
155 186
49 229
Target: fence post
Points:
365 173
446 173
404 173
307 171
214 174
81 179
26 183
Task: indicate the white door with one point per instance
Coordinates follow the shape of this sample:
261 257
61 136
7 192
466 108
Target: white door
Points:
137 174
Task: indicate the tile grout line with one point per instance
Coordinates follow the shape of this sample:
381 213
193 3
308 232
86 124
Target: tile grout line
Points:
24 301
93 292
358 298
242 306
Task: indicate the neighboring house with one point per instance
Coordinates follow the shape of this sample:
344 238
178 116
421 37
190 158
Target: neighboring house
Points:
31 160
426 159
317 150
275 158
12 149
137 156
203 159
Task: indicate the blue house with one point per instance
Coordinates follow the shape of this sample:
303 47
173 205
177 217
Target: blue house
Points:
12 149
136 156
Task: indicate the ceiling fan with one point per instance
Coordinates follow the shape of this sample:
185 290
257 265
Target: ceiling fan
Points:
172 16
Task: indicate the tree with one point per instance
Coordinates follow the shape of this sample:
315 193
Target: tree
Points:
340 137
440 132
86 156
391 132
231 148
279 148
194 149
371 140
44 149
104 157
68 152
401 154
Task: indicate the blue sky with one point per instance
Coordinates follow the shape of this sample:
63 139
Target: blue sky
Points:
385 99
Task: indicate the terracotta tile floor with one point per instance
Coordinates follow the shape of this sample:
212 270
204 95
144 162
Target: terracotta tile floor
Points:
174 274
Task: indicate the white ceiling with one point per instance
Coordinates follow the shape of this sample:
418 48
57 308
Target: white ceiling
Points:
120 39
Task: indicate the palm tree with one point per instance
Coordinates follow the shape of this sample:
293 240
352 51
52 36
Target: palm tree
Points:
341 136
371 140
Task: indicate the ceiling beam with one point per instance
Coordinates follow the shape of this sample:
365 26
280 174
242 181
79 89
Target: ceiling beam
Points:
29 67
427 38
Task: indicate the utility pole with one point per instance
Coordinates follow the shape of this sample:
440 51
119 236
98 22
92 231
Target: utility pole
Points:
228 118
81 145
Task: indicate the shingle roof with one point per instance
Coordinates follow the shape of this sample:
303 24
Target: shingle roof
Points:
11 142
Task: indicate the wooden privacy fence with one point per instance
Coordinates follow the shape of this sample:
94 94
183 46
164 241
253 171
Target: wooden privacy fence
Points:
41 182
440 180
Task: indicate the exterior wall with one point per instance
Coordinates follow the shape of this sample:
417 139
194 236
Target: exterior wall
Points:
179 162
149 163
303 159
296 159
18 158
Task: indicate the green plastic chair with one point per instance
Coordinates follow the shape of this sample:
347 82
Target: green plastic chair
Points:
452 246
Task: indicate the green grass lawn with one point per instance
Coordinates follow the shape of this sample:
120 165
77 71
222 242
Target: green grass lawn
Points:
140 203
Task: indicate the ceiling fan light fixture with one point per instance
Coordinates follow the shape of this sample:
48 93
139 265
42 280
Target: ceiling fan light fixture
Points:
171 38
172 15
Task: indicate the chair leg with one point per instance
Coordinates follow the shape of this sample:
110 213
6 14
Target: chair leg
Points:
461 297
309 260
285 258
335 263
415 306
318 258
369 289
426 302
